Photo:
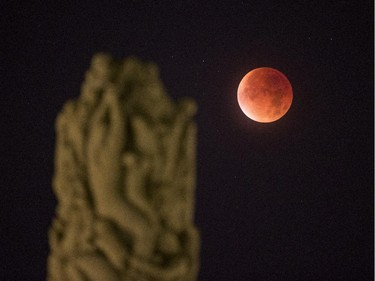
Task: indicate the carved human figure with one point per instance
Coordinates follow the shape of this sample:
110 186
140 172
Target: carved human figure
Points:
124 179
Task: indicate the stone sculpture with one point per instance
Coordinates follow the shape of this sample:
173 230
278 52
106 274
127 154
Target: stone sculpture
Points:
124 180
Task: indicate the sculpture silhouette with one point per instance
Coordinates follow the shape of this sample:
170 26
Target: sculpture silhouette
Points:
124 179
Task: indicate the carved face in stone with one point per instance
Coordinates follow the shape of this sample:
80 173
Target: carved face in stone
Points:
153 102
143 90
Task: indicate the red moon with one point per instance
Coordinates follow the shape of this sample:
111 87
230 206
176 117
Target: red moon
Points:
265 94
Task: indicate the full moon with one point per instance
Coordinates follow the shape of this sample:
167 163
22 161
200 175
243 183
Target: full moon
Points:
265 94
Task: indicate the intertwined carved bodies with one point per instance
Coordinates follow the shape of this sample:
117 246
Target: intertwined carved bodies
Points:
125 179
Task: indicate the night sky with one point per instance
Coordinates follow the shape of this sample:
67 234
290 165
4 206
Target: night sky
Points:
289 200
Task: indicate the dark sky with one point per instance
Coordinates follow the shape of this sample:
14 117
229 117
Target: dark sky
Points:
289 200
